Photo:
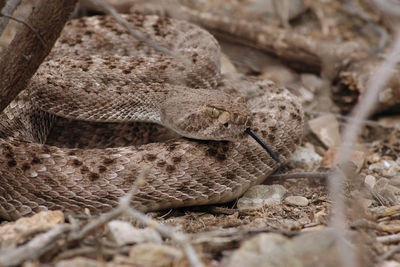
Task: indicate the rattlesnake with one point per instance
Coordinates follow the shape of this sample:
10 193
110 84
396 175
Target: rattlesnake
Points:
68 141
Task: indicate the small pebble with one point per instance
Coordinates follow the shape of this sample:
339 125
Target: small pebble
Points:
332 158
259 196
305 155
326 128
19 230
370 180
124 233
316 248
78 262
157 255
296 201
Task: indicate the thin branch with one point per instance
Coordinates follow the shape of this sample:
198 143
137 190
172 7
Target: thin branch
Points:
8 10
27 25
298 175
388 239
169 233
300 52
34 248
390 211
389 253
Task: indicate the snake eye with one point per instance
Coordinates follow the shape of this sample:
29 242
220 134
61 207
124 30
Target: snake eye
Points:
212 112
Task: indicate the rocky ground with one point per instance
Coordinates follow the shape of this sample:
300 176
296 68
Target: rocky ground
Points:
285 221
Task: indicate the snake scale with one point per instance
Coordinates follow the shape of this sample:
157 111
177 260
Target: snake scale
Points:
104 107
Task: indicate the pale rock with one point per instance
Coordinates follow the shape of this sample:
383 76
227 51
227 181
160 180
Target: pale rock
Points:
391 263
267 248
259 196
226 65
324 103
296 201
374 158
17 232
370 180
306 95
395 180
157 255
313 82
78 262
278 73
326 128
124 233
332 158
306 155
316 248
390 121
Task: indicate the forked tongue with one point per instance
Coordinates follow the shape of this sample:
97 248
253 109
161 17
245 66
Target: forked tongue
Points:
263 144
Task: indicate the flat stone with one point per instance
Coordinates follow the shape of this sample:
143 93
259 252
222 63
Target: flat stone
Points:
277 73
390 121
259 196
326 128
306 155
16 232
226 65
124 233
332 158
315 248
269 249
313 82
157 255
296 201
370 180
78 262
391 263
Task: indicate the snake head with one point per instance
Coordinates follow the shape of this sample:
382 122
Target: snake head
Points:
206 115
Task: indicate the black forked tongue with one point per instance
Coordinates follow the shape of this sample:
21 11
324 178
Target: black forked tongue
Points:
264 145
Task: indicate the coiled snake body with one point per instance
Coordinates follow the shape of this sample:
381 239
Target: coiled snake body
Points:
83 130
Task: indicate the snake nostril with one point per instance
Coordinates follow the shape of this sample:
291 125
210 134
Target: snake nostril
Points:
226 124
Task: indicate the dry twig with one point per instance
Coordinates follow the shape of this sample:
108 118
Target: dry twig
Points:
34 248
394 210
27 25
298 175
7 10
388 239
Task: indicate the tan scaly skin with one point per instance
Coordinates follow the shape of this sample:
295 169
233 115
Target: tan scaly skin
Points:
101 77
